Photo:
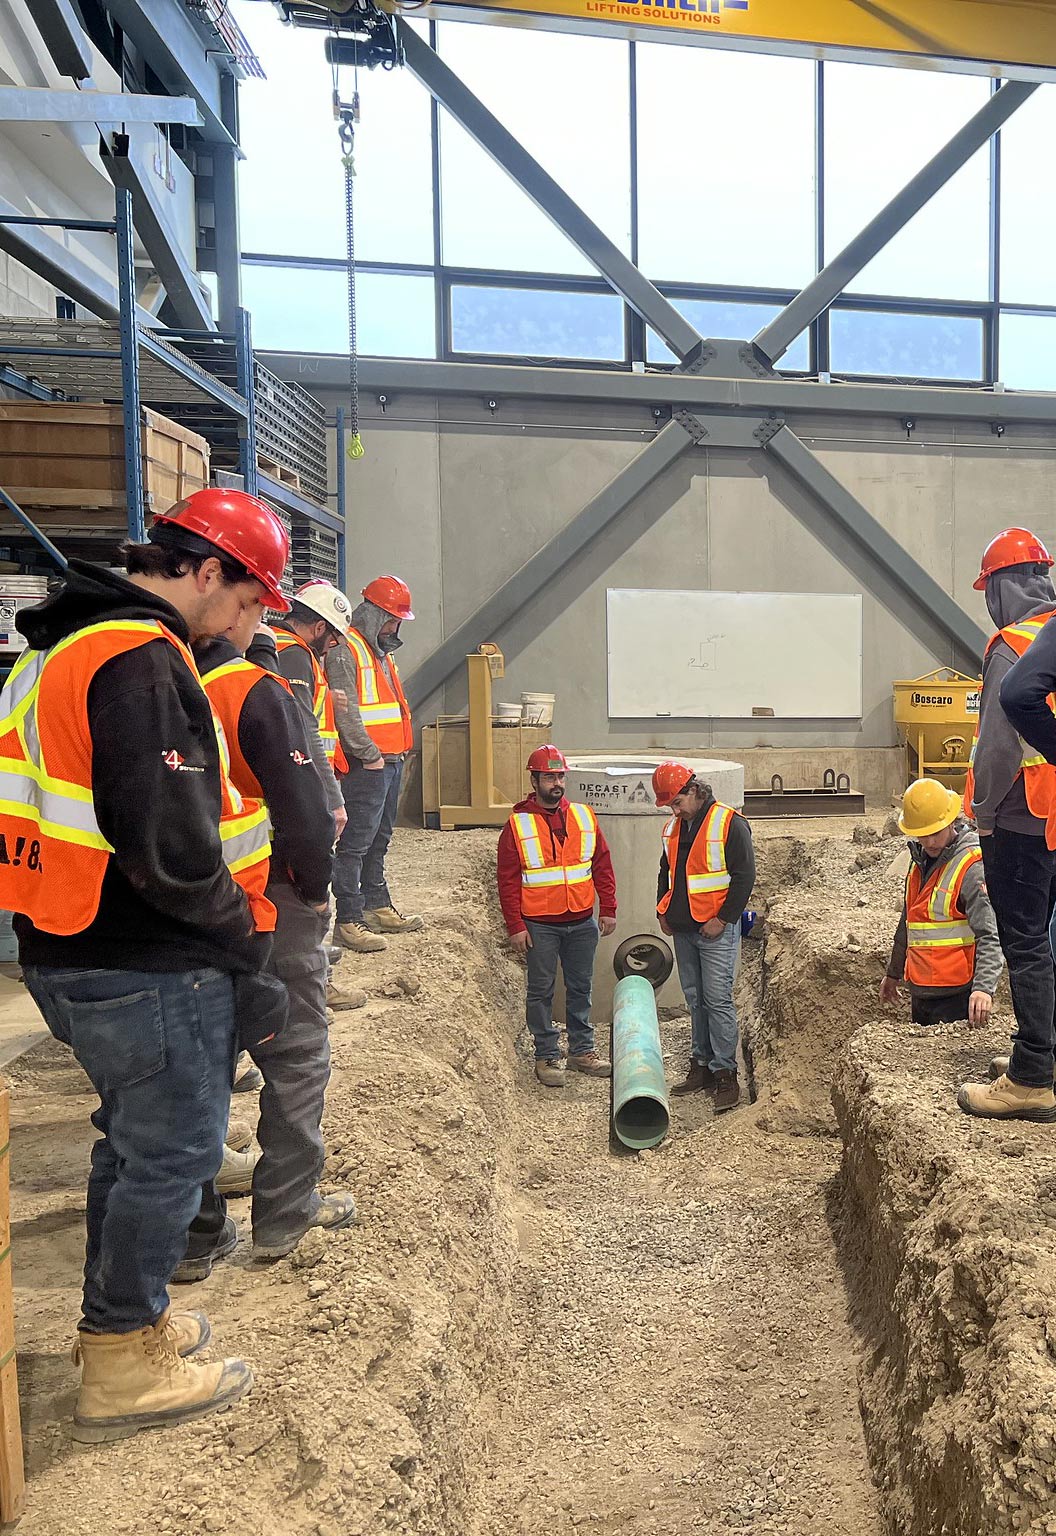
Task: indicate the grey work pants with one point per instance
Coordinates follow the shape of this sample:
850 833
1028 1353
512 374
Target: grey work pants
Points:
296 1068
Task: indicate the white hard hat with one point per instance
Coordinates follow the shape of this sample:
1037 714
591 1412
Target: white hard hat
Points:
328 601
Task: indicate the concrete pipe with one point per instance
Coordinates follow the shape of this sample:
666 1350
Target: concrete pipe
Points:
640 1112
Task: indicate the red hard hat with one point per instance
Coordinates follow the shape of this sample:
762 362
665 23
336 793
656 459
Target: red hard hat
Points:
1016 546
390 593
669 780
548 759
241 526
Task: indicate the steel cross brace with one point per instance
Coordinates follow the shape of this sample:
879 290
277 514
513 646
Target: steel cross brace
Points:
939 615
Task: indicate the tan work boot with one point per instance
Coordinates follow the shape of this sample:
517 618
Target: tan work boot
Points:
1005 1100
133 1381
344 997
334 1212
190 1331
550 1073
236 1170
238 1135
999 1066
248 1077
388 920
590 1063
359 938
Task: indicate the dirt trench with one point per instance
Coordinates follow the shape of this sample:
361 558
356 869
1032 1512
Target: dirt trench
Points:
525 1333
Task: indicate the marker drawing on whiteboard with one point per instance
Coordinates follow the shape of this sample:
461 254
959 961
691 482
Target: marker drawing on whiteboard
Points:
706 658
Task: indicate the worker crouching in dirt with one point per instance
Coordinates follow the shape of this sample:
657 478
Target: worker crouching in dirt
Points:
707 871
553 863
946 946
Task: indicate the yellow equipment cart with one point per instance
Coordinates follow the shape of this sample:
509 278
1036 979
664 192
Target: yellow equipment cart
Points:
936 717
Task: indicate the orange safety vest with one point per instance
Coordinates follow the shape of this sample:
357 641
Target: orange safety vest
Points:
1039 776
53 856
322 702
941 944
228 687
707 878
383 705
556 878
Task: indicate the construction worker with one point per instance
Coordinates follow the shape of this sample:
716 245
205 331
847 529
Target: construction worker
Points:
318 621
1011 794
374 725
553 864
707 871
946 946
271 765
131 930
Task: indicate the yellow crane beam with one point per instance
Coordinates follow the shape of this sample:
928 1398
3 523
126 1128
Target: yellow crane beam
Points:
1012 38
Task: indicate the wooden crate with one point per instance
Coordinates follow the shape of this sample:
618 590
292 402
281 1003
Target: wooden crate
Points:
511 746
65 457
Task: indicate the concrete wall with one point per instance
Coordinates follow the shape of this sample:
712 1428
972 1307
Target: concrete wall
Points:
456 501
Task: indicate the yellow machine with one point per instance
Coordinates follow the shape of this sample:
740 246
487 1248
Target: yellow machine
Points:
936 716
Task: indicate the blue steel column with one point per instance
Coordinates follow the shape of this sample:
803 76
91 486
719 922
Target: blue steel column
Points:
247 432
342 510
133 416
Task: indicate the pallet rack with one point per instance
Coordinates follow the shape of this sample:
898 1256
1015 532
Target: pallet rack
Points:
209 382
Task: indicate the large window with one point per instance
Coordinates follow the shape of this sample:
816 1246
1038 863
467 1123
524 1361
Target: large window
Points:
725 166
545 323
727 176
881 126
305 309
565 99
292 182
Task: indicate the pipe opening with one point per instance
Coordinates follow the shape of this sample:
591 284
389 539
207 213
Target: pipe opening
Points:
641 1122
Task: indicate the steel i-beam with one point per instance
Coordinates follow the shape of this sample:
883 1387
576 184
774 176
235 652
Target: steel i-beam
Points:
774 340
882 549
520 588
631 284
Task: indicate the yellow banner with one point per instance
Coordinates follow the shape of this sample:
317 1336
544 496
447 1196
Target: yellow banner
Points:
980 32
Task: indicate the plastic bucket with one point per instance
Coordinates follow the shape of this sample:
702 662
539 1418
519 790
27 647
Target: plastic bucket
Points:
508 714
537 708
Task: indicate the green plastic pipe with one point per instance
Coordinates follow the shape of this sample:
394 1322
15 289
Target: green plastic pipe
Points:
640 1111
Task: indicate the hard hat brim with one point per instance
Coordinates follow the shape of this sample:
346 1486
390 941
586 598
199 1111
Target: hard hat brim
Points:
939 826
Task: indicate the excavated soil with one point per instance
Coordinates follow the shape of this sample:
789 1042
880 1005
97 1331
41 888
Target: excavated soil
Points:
527 1333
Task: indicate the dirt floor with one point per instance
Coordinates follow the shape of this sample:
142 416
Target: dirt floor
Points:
525 1333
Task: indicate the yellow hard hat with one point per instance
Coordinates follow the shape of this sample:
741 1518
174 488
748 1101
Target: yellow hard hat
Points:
928 807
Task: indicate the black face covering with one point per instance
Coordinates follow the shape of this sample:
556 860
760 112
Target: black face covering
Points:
389 643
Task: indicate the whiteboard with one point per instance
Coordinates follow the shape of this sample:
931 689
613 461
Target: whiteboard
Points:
734 655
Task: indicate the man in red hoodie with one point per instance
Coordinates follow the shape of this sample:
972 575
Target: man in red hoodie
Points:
553 863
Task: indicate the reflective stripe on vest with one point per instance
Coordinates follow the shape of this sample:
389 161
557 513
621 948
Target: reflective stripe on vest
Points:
245 827
53 856
322 702
552 887
383 707
1039 776
940 941
707 878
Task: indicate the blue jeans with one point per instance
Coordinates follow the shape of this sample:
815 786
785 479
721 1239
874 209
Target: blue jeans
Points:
1021 883
159 1048
706 969
574 944
371 796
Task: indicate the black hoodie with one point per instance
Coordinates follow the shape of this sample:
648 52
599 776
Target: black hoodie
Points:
167 901
274 743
